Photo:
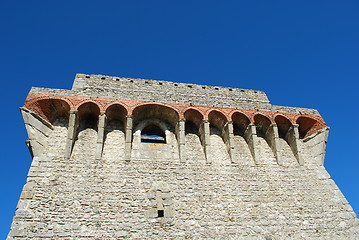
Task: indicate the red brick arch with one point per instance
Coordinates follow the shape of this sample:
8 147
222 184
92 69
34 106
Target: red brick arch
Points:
217 118
122 104
283 124
50 109
99 105
307 126
156 110
104 103
193 115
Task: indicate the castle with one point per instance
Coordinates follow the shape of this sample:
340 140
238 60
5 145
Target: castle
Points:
124 158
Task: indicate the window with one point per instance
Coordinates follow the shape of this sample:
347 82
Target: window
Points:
153 134
160 213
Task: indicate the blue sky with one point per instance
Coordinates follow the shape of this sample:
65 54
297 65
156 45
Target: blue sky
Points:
301 53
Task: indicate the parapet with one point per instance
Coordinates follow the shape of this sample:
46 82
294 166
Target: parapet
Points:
101 86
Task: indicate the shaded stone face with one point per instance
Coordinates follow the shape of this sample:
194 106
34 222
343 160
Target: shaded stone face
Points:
119 158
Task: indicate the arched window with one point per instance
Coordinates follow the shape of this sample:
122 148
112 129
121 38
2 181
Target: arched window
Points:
153 134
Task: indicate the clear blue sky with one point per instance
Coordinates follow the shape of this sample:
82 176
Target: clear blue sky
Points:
301 53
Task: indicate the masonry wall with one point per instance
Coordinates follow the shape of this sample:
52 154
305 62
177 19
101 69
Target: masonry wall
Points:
100 86
86 198
217 183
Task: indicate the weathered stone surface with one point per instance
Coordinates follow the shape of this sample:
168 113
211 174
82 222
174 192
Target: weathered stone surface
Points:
226 184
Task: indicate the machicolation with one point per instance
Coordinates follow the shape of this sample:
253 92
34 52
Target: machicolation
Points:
124 158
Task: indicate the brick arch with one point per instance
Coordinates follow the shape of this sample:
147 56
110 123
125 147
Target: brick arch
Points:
307 126
88 115
116 111
245 113
97 103
194 115
208 112
122 104
133 107
240 122
162 112
283 124
193 119
50 109
217 118
32 101
262 123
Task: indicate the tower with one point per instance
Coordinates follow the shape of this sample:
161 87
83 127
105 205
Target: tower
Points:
124 158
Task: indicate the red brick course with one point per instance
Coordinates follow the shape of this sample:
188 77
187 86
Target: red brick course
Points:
33 102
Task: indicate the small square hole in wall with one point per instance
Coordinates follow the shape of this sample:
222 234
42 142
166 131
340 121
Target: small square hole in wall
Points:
160 83
131 80
103 78
176 84
204 87
160 213
87 76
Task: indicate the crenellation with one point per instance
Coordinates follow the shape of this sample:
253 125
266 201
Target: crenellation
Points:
124 158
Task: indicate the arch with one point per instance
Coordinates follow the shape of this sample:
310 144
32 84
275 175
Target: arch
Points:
98 104
240 123
153 134
121 104
116 112
152 131
283 125
262 124
217 119
88 114
51 109
306 124
143 124
156 111
193 121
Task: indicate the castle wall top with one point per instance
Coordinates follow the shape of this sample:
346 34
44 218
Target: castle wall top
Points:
101 86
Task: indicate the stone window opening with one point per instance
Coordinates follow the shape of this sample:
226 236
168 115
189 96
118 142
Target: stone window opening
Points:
153 134
160 213
160 207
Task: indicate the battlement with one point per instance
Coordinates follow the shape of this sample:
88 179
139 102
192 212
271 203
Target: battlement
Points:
101 86
185 91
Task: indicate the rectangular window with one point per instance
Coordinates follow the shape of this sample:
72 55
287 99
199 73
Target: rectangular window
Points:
160 213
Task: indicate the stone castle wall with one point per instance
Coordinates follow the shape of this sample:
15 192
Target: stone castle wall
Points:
100 86
216 172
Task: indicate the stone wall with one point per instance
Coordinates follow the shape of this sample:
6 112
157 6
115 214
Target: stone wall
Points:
100 86
94 175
